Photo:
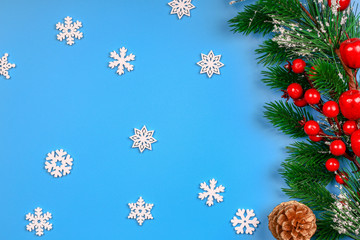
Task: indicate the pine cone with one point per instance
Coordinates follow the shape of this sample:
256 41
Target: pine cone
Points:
292 221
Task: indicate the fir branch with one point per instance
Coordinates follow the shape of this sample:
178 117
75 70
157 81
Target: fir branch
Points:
286 117
324 229
327 79
279 78
310 193
310 154
286 10
271 53
252 20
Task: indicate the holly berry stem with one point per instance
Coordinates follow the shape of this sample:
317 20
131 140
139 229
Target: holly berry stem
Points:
353 159
307 12
338 126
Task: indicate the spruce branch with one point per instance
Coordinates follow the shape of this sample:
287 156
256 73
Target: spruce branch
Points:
324 229
278 77
327 79
287 117
252 20
272 53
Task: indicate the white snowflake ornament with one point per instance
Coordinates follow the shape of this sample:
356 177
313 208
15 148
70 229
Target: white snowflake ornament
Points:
121 61
38 222
69 31
245 222
211 192
181 7
210 64
5 66
58 163
140 211
143 139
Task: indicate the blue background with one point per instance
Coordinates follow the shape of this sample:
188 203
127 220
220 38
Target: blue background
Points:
62 96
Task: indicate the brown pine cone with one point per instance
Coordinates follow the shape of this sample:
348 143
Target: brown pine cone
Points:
292 221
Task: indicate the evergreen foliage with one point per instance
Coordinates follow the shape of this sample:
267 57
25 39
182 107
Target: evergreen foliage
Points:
286 117
313 32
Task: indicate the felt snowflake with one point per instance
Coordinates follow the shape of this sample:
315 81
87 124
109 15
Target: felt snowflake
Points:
121 61
210 64
245 221
211 192
69 30
140 211
5 66
58 163
38 222
143 139
181 7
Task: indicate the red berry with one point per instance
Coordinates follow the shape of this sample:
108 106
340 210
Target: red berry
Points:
288 66
301 102
341 180
315 138
312 96
331 109
332 164
295 90
337 148
313 71
349 127
311 128
343 4
298 66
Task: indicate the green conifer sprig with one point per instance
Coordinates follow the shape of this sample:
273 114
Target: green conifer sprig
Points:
271 53
327 80
324 229
313 32
252 20
286 117
310 154
277 77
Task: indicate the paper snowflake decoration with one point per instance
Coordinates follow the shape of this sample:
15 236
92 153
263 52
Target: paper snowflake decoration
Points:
38 222
140 211
245 222
181 7
210 64
143 139
58 163
5 66
69 30
211 192
121 61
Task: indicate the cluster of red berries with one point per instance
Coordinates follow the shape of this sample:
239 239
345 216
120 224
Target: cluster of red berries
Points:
337 147
295 90
312 128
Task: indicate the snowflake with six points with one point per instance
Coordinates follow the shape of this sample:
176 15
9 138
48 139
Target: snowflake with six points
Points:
143 139
69 30
58 163
211 192
245 221
210 64
121 61
140 211
38 222
181 7
5 66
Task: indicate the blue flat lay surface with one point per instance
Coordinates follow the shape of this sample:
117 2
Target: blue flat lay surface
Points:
66 97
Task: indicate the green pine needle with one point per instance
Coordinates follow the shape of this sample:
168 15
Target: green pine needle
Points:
252 20
279 78
286 117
